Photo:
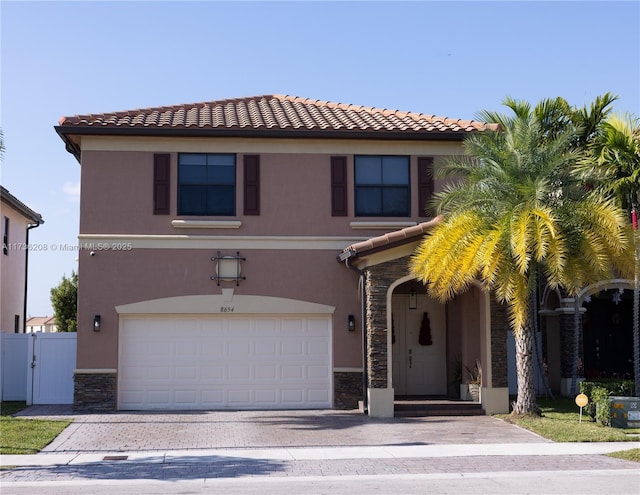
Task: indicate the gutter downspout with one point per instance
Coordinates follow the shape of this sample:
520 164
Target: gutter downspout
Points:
365 369
26 275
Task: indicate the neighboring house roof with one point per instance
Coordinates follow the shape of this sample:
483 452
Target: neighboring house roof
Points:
267 115
388 240
38 321
18 205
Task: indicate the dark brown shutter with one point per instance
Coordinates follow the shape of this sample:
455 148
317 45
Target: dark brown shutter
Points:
425 183
161 183
252 185
339 186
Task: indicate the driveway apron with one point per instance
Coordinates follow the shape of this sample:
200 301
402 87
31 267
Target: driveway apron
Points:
146 431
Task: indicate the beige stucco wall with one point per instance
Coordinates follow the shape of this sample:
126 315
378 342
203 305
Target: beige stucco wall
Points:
12 269
111 278
290 248
295 197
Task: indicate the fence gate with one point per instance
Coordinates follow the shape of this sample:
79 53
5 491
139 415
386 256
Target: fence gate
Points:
14 363
52 359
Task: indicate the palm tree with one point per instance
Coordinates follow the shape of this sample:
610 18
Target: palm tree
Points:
515 209
615 161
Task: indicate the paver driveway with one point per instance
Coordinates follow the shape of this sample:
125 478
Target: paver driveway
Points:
127 431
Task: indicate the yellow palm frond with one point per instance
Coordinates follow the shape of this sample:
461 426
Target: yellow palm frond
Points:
447 259
519 304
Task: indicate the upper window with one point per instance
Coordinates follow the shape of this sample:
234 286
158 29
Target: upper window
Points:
382 186
5 236
206 184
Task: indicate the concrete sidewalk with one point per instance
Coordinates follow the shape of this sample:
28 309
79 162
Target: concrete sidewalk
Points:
161 445
208 456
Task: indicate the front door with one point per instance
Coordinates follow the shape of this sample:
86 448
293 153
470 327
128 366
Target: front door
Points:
419 347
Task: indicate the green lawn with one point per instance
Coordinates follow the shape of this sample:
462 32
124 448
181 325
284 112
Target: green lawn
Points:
629 455
25 436
560 422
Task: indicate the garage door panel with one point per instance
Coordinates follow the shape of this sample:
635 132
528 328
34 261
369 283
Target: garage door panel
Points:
318 372
266 373
186 398
266 398
292 372
318 347
265 349
213 373
186 349
218 363
155 373
292 347
293 397
318 396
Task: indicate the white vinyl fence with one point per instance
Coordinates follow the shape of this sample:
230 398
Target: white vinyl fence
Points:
38 367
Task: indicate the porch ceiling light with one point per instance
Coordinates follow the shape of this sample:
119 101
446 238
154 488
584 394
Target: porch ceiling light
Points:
413 299
96 323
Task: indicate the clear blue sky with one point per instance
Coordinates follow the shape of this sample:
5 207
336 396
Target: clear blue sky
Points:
446 58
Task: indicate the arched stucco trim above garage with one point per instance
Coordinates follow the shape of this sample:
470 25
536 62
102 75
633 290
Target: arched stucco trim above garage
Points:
225 303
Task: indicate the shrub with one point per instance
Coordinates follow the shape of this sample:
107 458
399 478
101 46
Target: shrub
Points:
599 392
600 398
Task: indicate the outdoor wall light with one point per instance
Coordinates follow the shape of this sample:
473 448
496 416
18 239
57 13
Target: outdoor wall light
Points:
96 323
413 299
351 323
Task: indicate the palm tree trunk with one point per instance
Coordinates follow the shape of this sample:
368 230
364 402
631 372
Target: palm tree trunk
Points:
526 399
575 352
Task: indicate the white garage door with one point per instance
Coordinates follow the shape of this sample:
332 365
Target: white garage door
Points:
270 362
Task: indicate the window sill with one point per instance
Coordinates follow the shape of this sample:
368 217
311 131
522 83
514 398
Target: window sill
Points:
381 225
206 224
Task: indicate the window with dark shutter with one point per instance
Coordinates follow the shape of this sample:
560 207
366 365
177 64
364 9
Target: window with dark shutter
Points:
382 187
252 185
161 183
5 236
339 186
425 183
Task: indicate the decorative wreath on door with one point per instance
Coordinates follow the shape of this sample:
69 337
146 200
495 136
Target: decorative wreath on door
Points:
424 337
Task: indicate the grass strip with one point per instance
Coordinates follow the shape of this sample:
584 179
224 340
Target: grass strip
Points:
26 436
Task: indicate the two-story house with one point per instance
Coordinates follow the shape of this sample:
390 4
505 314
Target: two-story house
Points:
252 254
45 324
17 220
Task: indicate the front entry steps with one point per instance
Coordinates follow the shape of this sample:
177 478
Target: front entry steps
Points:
422 406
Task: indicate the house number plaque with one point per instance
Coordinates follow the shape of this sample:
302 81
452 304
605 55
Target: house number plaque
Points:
227 309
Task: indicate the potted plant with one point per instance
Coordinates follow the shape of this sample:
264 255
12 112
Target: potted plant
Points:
473 381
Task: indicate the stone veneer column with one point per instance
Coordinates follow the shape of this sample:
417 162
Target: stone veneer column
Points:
347 389
95 390
377 280
499 332
495 395
567 343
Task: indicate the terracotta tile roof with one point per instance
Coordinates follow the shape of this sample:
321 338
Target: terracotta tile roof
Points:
390 239
274 112
24 210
